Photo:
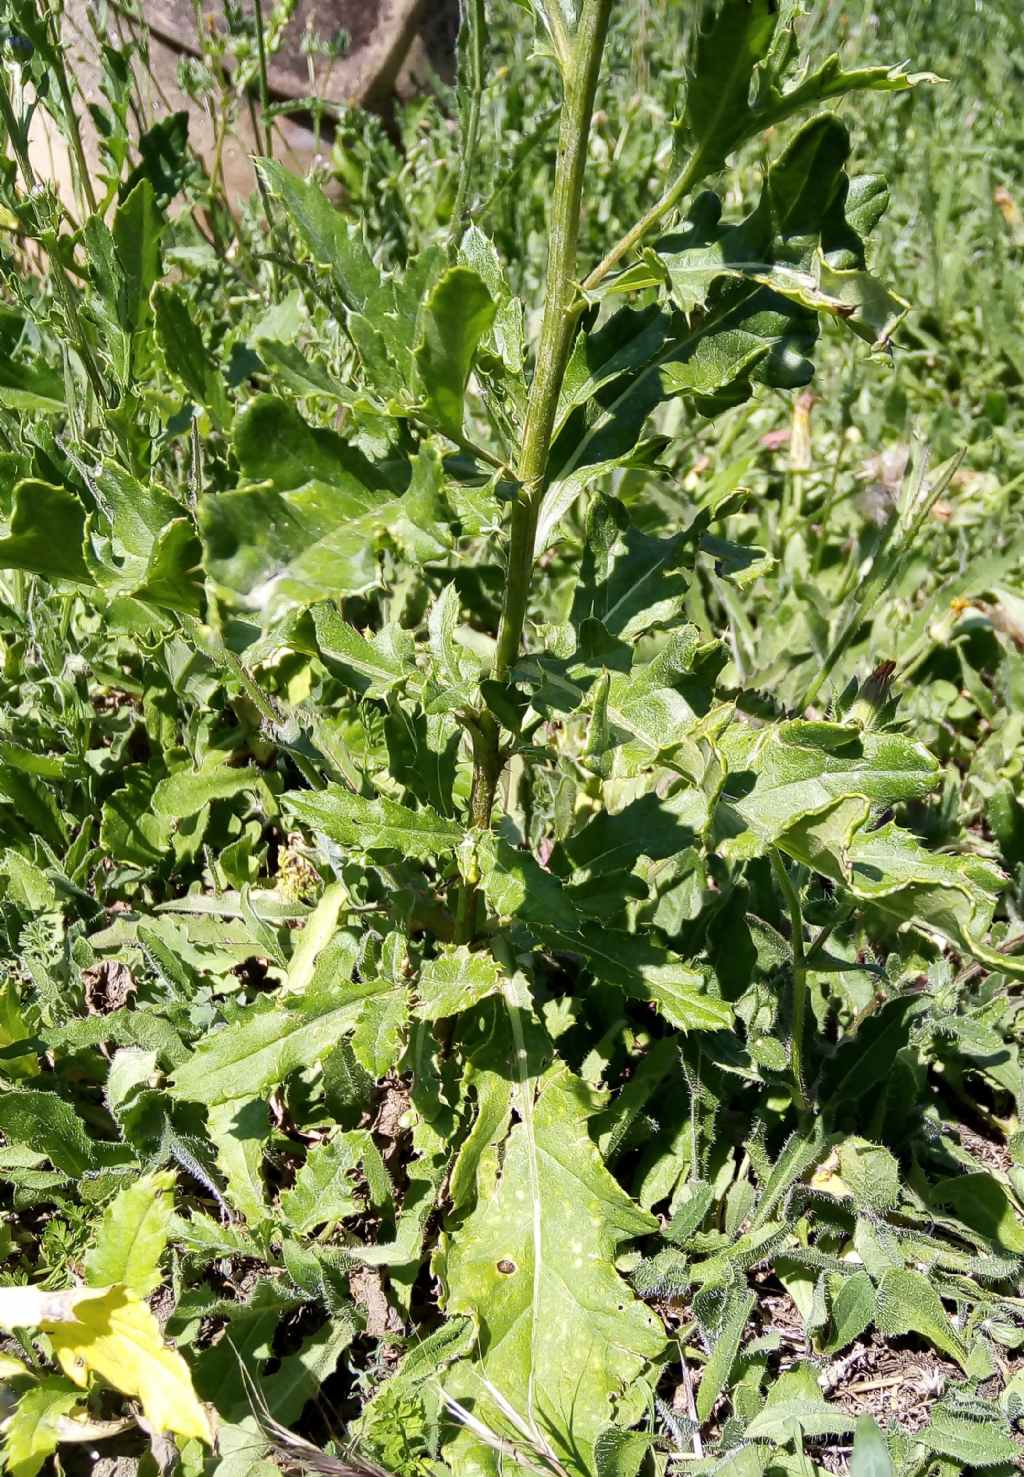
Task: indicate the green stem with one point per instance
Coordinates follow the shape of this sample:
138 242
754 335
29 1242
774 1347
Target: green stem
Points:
474 21
666 202
71 118
796 930
16 136
558 327
561 41
261 48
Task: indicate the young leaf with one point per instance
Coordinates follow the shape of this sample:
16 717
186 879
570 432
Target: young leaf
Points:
186 355
132 1236
870 1457
332 241
324 1189
852 1310
32 1431
722 1315
373 666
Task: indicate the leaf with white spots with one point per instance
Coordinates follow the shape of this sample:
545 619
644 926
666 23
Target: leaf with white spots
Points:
560 1333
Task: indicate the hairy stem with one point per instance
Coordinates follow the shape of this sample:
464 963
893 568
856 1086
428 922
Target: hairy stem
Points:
84 183
796 940
558 326
474 21
261 48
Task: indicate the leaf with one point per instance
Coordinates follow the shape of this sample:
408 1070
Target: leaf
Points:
373 825
454 981
982 1202
871 1173
129 830
263 1045
952 895
377 1038
186 792
144 545
870 1457
629 581
722 1317
514 883
137 229
324 1189
908 1303
31 387
974 1443
448 687
736 80
164 159
618 1453
735 36
109 1332
800 769
797 242
239 1131
459 312
33 1430
533 1267
645 970
185 353
814 1418
852 1311
46 1123
300 1376
332 241
46 533
132 1236
309 532
316 934
373 666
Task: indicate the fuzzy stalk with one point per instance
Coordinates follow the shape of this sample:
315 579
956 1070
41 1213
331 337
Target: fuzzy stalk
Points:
796 940
558 326
474 20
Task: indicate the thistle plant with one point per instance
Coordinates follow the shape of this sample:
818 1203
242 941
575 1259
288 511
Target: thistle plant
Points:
598 989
